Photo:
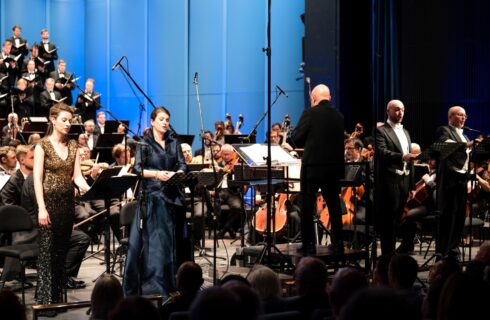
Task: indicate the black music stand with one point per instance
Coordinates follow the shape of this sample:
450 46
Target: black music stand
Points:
106 187
103 146
438 151
186 138
255 155
112 125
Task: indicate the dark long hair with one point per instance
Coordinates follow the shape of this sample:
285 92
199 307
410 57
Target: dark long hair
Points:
153 116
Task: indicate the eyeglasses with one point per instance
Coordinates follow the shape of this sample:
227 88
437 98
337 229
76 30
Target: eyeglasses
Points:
462 115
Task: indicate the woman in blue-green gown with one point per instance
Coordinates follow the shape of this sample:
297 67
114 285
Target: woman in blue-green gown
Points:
156 239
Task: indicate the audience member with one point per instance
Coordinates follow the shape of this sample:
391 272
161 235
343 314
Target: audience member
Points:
134 308
189 281
268 286
216 303
107 293
10 306
346 282
311 283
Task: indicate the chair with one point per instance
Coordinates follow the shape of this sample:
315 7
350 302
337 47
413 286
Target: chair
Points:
125 219
14 219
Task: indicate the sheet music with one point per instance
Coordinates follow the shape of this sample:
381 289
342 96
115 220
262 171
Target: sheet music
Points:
257 153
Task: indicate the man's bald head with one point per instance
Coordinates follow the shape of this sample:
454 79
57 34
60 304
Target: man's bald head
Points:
319 93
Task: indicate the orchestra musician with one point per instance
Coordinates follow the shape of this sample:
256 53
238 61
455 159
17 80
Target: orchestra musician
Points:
229 222
8 161
10 130
395 172
322 168
219 132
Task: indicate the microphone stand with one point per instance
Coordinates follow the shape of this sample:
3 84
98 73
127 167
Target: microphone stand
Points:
254 129
216 189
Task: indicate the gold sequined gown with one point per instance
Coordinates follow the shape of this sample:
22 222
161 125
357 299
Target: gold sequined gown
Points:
60 204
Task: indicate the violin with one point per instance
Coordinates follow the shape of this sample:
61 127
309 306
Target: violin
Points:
87 165
358 130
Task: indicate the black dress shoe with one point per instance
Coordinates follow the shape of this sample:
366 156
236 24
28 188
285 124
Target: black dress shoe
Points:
77 281
72 284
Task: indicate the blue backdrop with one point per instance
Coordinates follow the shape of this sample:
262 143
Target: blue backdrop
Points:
166 42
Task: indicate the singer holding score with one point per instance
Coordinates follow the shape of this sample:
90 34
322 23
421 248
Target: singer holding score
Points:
452 180
156 240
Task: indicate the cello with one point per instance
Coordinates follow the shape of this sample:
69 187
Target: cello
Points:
279 218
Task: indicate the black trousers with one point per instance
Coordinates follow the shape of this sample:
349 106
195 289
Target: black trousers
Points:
393 196
452 195
330 189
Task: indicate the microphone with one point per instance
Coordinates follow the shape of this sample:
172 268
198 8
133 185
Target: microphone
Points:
308 80
282 91
195 78
114 67
471 130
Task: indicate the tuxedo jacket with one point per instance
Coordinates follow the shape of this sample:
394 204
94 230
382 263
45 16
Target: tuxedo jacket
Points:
48 56
389 150
22 50
458 158
65 91
12 190
46 102
320 131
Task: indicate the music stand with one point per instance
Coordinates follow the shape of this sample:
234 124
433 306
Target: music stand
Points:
186 138
255 155
238 138
106 187
438 151
112 125
105 143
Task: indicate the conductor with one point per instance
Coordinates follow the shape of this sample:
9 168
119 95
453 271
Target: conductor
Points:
321 132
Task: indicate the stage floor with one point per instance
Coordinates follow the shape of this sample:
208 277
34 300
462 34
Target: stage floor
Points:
94 266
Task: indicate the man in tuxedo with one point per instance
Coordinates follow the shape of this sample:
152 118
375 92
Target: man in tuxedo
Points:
88 102
33 89
451 185
47 51
19 46
320 131
10 193
89 127
395 175
100 127
8 64
62 82
48 98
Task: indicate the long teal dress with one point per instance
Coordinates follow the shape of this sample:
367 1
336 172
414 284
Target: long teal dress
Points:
156 249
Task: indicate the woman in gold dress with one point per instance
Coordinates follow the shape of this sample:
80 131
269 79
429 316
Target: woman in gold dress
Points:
56 168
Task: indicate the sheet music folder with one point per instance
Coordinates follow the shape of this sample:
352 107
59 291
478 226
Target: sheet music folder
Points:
255 155
440 150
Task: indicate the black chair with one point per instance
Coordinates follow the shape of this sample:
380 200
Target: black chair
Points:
125 219
13 219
